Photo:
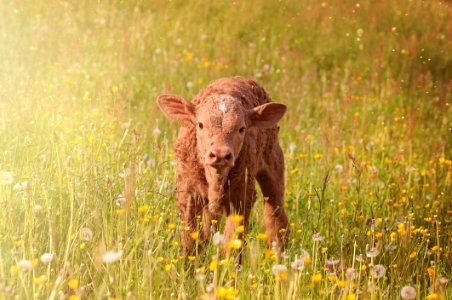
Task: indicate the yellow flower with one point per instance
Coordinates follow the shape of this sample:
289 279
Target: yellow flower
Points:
316 278
171 226
431 271
195 235
213 265
412 255
433 297
214 221
324 250
73 297
341 283
144 208
191 258
351 297
262 236
73 283
237 218
240 229
236 244
39 280
82 245
167 267
307 260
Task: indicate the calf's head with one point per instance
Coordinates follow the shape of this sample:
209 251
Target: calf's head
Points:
221 124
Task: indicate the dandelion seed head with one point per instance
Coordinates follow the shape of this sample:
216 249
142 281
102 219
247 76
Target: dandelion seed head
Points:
112 256
6 178
378 271
46 258
408 293
25 265
86 234
217 238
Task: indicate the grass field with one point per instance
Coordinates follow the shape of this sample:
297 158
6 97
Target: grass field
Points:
86 161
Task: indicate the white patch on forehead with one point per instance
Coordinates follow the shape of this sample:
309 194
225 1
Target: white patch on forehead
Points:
222 107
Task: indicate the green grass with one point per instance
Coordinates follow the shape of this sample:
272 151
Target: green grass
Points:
367 141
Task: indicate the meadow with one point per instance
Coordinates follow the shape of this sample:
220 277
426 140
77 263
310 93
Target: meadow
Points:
86 161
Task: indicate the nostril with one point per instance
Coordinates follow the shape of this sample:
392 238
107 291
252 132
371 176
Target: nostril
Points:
212 155
228 157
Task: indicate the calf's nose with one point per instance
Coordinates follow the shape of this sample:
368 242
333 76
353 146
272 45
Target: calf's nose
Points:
221 156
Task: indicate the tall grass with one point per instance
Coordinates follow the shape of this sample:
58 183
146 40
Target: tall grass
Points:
86 160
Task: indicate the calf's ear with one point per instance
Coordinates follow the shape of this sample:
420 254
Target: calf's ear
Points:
176 108
266 115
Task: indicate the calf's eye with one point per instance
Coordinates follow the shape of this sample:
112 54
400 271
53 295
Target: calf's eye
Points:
242 129
200 125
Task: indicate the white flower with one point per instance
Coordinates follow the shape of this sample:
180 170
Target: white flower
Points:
20 186
120 200
350 273
86 234
190 84
292 147
298 264
408 293
25 265
37 208
217 238
46 258
112 256
373 252
278 270
6 178
317 237
339 168
156 132
378 271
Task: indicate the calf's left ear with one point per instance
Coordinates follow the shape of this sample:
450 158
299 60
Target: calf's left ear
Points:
266 115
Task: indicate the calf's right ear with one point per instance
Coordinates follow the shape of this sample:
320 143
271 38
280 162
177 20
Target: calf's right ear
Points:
176 108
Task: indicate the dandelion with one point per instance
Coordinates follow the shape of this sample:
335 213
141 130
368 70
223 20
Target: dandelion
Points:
20 186
194 235
339 168
390 247
373 252
378 271
112 256
37 208
317 237
73 283
40 280
433 297
408 293
217 238
280 271
240 229
6 178
297 264
350 273
46 258
237 218
86 234
236 244
262 237
25 265
316 278
156 132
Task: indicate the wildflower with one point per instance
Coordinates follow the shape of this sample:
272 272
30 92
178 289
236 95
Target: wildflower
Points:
378 271
191 258
39 280
390 247
350 273
431 271
86 234
167 267
292 147
6 178
298 264
412 255
213 265
20 186
262 236
408 293
324 250
112 256
194 235
46 258
25 265
341 283
156 132
339 168
316 278
240 229
280 271
373 252
351 297
316 237
433 297
73 283
217 238
236 244
237 218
